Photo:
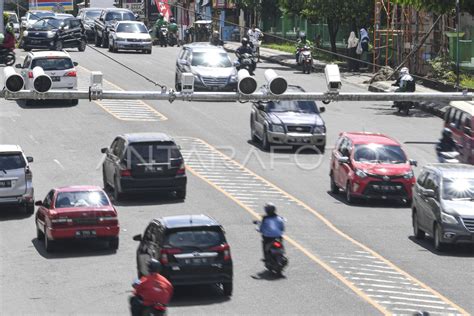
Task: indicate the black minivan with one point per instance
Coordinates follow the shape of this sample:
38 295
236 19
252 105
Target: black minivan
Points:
144 162
192 249
55 34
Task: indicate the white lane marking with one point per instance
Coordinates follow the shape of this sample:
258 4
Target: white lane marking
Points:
413 304
381 281
392 287
59 164
370 270
408 299
398 293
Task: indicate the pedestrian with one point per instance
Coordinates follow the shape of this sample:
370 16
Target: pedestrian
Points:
364 43
352 43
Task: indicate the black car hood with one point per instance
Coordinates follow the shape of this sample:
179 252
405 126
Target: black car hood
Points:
295 118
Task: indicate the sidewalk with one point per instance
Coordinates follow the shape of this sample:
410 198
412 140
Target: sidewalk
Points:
436 108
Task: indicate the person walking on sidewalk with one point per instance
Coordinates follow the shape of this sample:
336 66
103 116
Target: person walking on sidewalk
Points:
364 44
352 42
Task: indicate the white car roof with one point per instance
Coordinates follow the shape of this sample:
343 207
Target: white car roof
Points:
10 148
49 54
134 22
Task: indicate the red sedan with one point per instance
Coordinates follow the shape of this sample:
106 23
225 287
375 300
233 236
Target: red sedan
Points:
76 212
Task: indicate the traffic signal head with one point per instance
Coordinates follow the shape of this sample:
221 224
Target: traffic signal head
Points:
276 84
13 81
41 81
246 84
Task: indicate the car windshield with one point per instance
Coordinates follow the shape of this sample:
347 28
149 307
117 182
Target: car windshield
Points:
376 153
194 239
211 59
161 152
131 28
458 189
52 63
81 199
12 18
92 15
47 24
119 16
39 15
293 106
10 161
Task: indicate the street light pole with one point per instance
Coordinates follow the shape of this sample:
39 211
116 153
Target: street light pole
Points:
457 43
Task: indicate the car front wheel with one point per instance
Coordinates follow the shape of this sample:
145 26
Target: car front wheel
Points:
265 142
228 288
349 198
334 187
417 232
82 45
48 243
39 234
438 244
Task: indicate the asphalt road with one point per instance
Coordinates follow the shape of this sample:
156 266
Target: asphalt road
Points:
344 259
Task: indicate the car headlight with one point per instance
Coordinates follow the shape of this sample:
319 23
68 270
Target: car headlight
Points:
25 33
147 40
360 173
409 175
448 219
277 128
320 129
50 34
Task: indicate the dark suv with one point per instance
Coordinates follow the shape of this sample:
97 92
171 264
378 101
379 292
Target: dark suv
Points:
141 162
104 22
192 249
56 34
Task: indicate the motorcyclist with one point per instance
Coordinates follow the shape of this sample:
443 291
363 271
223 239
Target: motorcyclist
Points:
215 39
160 22
446 143
300 44
8 40
271 227
245 48
151 289
405 82
173 28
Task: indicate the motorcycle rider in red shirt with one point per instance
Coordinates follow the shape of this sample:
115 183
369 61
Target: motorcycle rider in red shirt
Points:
9 39
152 291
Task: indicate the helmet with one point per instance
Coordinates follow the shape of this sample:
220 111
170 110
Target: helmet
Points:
270 208
154 266
404 71
303 36
215 34
9 28
245 41
172 20
447 132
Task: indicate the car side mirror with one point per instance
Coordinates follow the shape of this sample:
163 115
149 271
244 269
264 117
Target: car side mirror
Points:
184 62
104 150
322 109
39 203
136 16
343 160
18 66
429 193
75 63
413 162
29 159
137 237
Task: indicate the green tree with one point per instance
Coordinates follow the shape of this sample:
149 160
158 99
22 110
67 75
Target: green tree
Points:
439 6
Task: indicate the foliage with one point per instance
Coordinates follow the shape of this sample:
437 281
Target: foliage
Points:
439 6
467 81
442 69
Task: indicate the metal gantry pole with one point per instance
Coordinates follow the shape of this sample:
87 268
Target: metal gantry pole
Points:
457 42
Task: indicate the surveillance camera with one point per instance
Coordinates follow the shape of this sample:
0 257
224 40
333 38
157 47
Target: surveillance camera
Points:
13 81
333 77
96 79
187 82
276 84
41 81
246 84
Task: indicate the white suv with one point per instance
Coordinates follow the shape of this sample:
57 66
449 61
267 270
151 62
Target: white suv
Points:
56 64
16 178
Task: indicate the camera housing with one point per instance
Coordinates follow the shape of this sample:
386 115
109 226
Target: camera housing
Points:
187 82
333 77
41 81
276 84
13 81
246 84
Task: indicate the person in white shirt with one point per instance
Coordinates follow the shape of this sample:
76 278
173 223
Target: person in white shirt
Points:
255 35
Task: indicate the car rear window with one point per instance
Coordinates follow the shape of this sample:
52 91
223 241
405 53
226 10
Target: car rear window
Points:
52 63
10 161
131 28
81 199
152 152
199 239
119 16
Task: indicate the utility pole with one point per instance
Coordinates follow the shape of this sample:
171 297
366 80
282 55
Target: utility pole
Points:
2 27
457 43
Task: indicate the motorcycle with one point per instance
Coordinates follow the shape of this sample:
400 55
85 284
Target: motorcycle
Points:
247 61
137 307
275 259
163 34
403 106
173 40
7 57
306 59
448 156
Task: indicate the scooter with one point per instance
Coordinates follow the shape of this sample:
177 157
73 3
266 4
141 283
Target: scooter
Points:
306 59
163 36
403 106
7 57
173 40
137 307
448 156
275 259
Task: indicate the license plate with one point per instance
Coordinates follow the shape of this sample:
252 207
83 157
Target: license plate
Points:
387 188
196 261
154 169
5 184
55 78
35 41
85 234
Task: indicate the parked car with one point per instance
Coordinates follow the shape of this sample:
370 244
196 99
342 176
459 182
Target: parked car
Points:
88 16
106 19
13 19
129 35
58 65
16 178
76 212
191 248
144 162
460 120
443 204
32 16
371 166
210 65
288 123
56 34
